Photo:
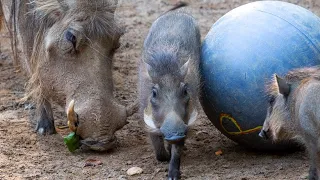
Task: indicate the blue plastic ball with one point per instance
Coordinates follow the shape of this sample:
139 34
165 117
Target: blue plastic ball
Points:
240 54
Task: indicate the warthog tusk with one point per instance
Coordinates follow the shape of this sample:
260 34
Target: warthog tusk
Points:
72 117
193 117
148 119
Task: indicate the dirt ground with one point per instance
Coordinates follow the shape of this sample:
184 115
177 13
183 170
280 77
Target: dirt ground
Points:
26 155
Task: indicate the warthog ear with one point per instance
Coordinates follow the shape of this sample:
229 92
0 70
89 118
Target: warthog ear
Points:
284 87
184 69
146 70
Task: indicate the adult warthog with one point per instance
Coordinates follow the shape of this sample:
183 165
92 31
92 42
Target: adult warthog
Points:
68 47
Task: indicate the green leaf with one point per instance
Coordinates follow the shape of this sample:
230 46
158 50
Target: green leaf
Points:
72 141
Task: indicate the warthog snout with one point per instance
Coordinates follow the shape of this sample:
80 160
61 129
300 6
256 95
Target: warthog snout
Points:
92 125
102 145
264 134
71 38
173 128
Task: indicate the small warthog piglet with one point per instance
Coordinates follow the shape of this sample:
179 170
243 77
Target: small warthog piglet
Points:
169 84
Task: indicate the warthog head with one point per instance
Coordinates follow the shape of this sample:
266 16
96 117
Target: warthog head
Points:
278 113
72 60
279 124
171 99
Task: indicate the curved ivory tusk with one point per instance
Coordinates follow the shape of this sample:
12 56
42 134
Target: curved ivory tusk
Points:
193 117
149 121
72 117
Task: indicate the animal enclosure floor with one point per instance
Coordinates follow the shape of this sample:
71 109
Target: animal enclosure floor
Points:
26 155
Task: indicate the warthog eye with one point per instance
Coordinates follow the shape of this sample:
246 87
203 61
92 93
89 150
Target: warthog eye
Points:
154 92
185 90
154 97
271 100
72 38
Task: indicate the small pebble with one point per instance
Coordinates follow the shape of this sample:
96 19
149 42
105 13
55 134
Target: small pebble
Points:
218 153
226 166
201 135
134 170
92 162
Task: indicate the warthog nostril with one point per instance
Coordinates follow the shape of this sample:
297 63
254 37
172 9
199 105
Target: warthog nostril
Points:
174 130
263 134
174 135
71 37
175 138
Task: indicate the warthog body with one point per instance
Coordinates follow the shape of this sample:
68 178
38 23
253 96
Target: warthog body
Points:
168 84
68 47
294 112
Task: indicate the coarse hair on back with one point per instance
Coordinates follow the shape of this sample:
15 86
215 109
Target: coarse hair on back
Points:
163 60
294 76
300 74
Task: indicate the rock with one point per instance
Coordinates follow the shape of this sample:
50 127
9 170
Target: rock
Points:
201 135
92 162
218 153
226 166
134 170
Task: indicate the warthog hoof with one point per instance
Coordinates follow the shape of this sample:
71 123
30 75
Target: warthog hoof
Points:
45 127
313 175
163 157
45 124
174 175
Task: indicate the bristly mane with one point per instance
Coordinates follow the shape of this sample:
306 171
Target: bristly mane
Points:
100 14
163 61
293 76
302 73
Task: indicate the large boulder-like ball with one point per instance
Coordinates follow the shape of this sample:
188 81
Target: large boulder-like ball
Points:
240 54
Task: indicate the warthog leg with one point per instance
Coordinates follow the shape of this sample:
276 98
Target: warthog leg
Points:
45 123
170 152
158 144
174 166
312 146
